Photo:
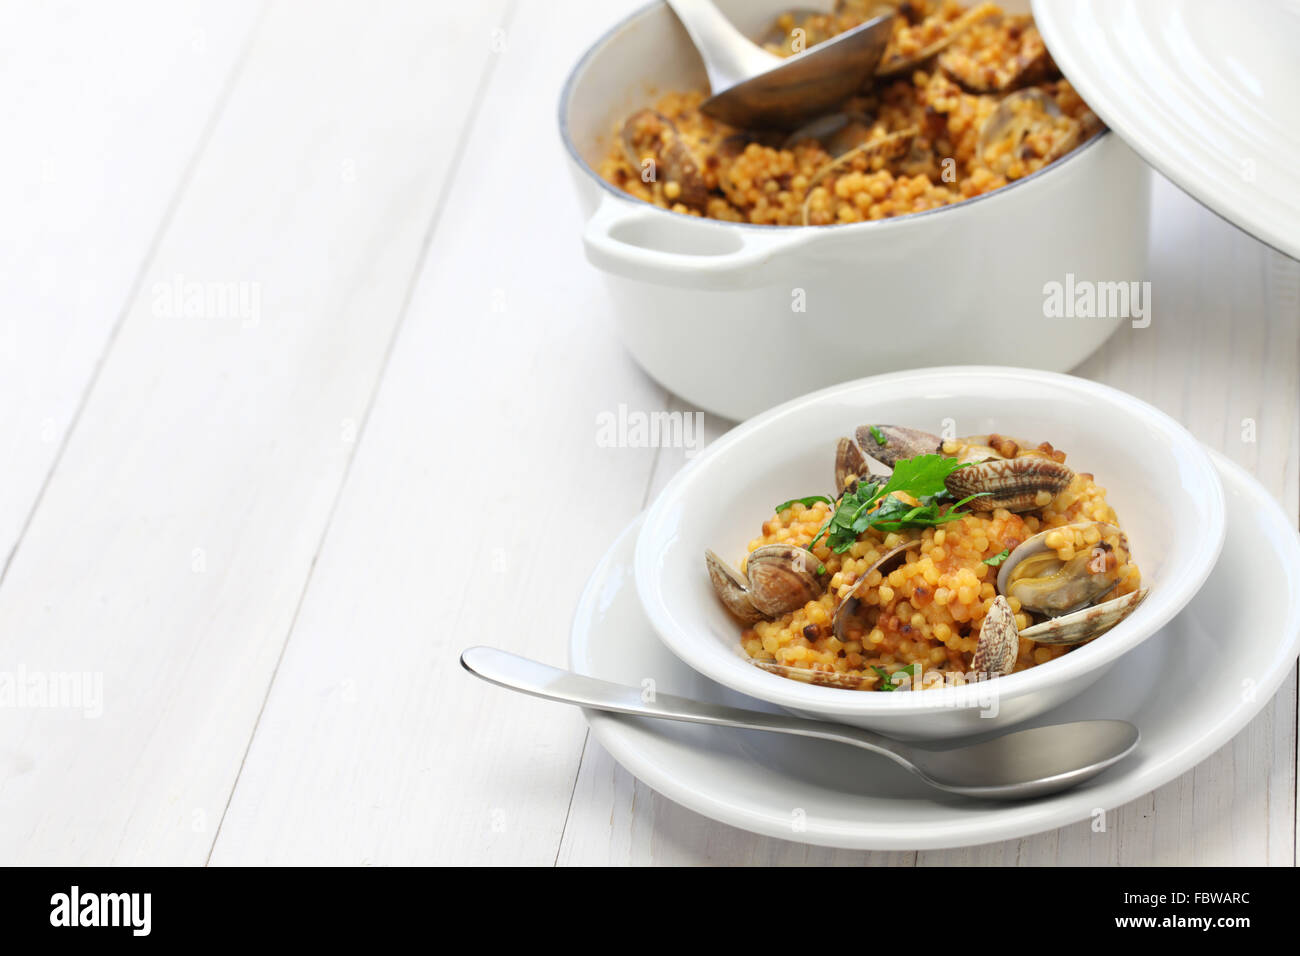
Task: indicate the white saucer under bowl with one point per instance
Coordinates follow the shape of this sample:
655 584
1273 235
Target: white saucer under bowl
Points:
1248 613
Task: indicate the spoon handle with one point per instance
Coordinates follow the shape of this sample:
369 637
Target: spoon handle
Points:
552 683
729 56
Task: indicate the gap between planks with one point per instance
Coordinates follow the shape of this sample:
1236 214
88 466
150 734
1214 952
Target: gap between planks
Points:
411 284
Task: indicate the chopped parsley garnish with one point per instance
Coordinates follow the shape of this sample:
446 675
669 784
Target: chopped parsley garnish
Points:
997 559
890 682
872 504
879 436
806 502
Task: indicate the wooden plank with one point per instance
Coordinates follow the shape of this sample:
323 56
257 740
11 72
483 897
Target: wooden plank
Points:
480 499
173 542
101 138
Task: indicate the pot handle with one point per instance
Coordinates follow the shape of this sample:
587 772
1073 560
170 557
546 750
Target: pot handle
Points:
639 241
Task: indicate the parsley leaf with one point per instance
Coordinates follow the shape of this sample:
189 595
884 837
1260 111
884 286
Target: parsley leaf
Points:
997 559
879 436
886 679
921 476
872 504
806 502
890 682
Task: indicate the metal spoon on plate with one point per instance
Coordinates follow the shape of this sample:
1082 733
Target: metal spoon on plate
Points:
1015 766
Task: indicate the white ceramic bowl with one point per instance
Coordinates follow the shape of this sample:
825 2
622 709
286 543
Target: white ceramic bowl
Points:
709 308
1158 478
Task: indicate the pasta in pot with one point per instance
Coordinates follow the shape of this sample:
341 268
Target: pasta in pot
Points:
965 101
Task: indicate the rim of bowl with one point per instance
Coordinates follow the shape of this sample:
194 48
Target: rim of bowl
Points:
571 80
1094 656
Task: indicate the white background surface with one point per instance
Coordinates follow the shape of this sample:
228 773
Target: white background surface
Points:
273 533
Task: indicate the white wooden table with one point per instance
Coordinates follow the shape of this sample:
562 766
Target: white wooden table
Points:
300 364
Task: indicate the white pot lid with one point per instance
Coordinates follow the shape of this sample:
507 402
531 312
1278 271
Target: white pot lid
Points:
1206 92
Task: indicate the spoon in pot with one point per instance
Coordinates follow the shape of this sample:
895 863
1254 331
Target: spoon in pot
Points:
1015 766
755 89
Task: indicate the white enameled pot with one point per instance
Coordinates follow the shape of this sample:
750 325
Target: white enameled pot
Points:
737 318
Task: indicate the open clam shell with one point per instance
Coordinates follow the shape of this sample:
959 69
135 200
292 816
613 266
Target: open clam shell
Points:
1023 113
732 589
887 147
898 443
850 464
780 578
654 147
887 562
1015 115
976 73
895 62
1084 625
1069 591
1044 584
820 678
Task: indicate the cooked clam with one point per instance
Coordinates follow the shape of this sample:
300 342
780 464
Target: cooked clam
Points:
780 578
819 677
1020 115
890 444
1087 624
1006 472
732 589
1068 589
967 62
1016 484
1069 583
850 464
655 149
875 152
999 641
896 443
886 563
896 61
1044 582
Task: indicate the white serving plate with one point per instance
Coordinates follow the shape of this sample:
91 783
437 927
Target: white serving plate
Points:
831 795
1156 475
1205 92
